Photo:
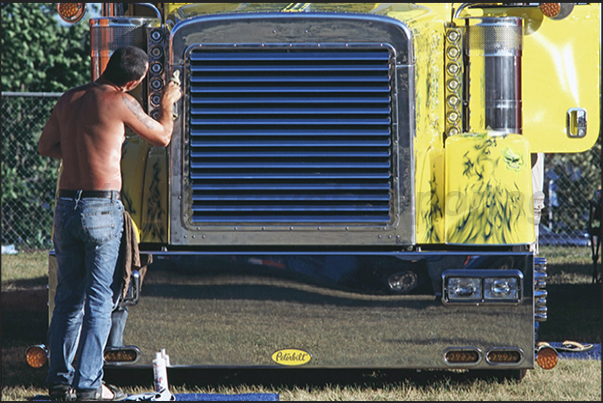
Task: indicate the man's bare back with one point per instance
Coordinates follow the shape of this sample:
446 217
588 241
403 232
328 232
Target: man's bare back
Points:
87 130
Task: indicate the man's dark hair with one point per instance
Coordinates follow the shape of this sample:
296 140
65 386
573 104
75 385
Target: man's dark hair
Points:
126 64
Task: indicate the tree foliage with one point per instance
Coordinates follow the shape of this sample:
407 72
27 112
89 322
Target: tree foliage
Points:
38 53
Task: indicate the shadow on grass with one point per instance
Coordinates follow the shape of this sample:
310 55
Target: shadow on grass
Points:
25 284
314 378
574 313
24 323
566 273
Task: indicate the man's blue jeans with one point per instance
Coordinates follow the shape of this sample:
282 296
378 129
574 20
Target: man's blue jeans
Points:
87 236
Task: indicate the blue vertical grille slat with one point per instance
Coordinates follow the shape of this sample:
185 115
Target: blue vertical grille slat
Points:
282 136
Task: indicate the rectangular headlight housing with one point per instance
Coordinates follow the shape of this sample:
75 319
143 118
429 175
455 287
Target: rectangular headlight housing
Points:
482 286
501 288
464 288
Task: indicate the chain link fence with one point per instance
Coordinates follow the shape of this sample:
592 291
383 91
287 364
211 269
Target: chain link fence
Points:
29 182
28 179
572 184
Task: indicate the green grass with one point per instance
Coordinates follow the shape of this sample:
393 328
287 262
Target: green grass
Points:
566 254
24 270
577 380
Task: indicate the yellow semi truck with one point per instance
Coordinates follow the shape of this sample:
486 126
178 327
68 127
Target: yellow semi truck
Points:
349 185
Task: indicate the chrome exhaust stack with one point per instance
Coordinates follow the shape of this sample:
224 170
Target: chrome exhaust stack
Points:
492 69
109 33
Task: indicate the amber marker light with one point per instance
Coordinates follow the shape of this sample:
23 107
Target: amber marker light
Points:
510 356
547 357
71 12
37 356
125 354
461 356
551 10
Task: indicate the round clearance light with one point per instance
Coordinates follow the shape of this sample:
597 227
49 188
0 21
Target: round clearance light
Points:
557 11
156 84
551 10
453 101
453 52
71 12
453 68
156 99
547 357
453 85
453 131
156 68
36 356
453 117
156 52
156 36
453 36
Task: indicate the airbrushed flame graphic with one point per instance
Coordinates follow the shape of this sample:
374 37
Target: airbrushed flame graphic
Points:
489 192
434 213
154 221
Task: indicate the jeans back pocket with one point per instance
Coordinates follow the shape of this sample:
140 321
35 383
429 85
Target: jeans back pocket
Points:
101 224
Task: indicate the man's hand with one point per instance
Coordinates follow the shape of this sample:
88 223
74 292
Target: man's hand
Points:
171 94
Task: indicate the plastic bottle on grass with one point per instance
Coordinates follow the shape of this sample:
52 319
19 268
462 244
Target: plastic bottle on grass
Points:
160 373
165 357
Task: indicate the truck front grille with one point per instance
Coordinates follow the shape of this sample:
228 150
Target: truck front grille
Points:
282 135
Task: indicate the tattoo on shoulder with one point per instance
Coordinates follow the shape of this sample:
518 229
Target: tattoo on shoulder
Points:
134 106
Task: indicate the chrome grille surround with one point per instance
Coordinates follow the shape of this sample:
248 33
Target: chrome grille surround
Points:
286 139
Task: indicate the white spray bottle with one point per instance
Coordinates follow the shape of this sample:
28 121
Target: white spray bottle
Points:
160 373
165 357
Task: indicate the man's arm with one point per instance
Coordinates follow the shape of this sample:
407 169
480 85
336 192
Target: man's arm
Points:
157 132
49 144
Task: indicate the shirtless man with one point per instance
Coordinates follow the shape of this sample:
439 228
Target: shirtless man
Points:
87 130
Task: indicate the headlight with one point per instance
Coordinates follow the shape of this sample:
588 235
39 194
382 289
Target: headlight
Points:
464 288
501 289
482 286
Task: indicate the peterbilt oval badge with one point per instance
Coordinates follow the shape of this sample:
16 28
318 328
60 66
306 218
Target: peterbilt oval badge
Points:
291 357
